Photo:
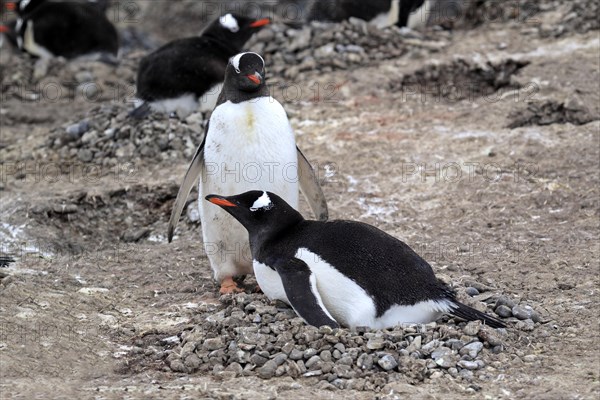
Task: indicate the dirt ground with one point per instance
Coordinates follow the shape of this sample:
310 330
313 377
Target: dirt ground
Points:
514 208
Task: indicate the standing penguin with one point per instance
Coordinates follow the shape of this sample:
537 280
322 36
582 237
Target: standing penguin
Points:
175 77
67 29
249 143
340 272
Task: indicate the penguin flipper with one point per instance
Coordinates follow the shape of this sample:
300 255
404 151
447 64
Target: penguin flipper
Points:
195 170
309 185
300 286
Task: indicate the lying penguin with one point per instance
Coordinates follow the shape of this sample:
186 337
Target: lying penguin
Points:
48 29
186 75
381 13
340 272
249 142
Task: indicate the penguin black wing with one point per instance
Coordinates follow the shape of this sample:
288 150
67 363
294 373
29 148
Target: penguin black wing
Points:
309 185
194 171
300 287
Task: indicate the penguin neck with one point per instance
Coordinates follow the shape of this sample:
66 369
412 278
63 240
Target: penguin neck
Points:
230 49
260 235
234 95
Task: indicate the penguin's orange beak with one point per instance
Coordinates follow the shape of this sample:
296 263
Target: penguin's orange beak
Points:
220 201
260 22
12 6
254 78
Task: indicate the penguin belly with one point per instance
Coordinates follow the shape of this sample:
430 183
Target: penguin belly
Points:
249 146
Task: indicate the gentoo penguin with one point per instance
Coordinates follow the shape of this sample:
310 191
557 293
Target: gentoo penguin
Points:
381 13
187 73
340 272
249 143
67 29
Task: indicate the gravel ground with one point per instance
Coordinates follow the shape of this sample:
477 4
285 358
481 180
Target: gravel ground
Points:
478 147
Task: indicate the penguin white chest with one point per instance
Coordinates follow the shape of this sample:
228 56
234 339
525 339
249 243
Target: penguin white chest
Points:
251 146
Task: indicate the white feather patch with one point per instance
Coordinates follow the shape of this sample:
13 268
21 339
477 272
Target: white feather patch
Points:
24 4
263 201
228 21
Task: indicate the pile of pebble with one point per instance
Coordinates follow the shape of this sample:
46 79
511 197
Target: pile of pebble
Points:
324 47
249 336
108 135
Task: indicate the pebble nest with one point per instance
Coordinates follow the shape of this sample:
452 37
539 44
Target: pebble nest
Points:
247 335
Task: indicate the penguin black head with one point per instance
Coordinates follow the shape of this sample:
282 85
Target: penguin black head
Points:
245 72
23 7
234 29
258 211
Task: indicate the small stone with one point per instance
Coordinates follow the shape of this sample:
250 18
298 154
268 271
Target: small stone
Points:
280 358
365 361
471 291
471 365
325 51
375 343
308 353
429 347
85 155
387 362
312 361
524 312
267 371
505 301
84 76
526 325
472 328
325 355
212 344
296 354
471 349
443 357
75 131
192 362
490 336
178 366
504 311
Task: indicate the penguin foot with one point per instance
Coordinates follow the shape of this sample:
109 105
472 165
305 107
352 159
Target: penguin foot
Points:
257 289
229 286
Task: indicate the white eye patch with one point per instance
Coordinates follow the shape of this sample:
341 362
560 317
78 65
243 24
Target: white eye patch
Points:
235 60
262 202
228 21
23 4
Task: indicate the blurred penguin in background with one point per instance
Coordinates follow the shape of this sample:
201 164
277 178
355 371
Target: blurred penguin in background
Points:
381 13
70 29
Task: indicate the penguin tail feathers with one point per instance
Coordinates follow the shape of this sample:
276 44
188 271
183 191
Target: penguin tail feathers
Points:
470 314
141 111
